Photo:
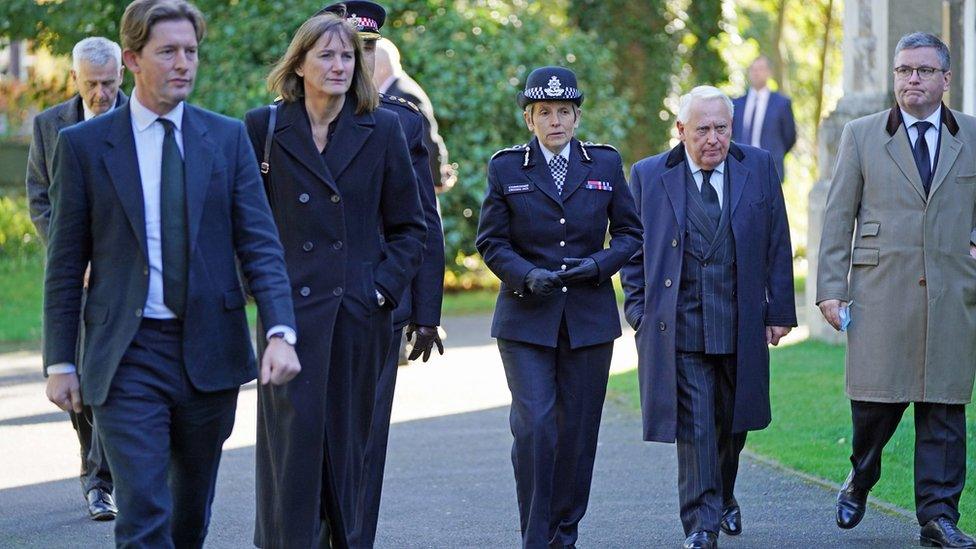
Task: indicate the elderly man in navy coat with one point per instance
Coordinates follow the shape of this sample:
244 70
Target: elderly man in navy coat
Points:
764 118
712 286
543 225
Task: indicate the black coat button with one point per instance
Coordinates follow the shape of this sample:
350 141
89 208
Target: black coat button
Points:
337 291
308 246
662 326
305 291
303 198
337 245
335 199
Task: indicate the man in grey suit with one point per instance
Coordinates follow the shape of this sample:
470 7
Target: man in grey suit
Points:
97 73
898 260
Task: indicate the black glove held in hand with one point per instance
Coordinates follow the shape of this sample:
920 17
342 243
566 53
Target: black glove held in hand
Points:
542 282
579 269
425 339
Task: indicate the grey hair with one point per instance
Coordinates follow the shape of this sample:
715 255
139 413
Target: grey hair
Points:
915 40
97 51
701 93
392 53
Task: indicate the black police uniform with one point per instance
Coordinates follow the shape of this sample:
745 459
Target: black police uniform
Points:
555 349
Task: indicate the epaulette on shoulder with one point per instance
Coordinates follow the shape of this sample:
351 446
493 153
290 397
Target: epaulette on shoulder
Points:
600 146
516 149
394 100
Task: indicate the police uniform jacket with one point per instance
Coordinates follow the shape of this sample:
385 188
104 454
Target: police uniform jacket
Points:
421 303
350 223
526 223
763 293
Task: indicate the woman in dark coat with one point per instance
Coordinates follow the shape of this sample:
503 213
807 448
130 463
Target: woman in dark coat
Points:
343 194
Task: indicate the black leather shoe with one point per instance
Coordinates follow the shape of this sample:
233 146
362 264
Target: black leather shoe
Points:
851 504
942 532
701 540
101 504
731 519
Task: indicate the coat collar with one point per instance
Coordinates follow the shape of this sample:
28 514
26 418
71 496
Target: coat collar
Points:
896 121
677 154
72 111
674 179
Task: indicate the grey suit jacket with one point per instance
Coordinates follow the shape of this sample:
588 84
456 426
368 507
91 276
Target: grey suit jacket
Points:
40 158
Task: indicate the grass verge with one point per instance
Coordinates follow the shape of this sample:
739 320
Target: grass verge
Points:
21 298
811 429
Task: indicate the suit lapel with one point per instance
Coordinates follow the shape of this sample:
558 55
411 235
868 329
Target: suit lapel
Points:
949 149
69 115
576 172
122 164
674 183
350 135
900 151
538 171
198 154
293 134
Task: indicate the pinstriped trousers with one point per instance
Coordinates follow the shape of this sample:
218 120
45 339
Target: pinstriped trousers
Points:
708 451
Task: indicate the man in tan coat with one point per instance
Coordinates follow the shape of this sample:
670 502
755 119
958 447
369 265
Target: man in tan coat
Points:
907 178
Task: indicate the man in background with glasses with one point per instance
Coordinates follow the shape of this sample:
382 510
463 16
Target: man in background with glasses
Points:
905 179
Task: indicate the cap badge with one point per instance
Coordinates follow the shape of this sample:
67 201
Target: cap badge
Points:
555 88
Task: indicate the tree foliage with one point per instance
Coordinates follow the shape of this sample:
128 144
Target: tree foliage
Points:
703 21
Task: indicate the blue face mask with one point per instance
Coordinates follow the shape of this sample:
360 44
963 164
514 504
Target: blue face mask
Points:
845 316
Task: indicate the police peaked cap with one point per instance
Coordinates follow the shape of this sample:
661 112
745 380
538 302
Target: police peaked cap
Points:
368 17
550 84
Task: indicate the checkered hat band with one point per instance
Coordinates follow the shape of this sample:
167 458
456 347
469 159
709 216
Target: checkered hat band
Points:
364 23
540 93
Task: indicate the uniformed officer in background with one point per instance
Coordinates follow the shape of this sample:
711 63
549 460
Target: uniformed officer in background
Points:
543 226
419 310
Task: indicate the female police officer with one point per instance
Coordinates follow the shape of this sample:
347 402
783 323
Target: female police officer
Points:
542 231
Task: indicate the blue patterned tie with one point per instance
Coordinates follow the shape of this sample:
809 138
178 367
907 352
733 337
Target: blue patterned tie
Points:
558 167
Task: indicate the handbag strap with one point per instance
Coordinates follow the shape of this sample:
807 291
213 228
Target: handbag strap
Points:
269 139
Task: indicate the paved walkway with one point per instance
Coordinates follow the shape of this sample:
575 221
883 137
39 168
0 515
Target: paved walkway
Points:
449 481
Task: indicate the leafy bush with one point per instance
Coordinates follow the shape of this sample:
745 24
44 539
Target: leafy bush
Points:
17 236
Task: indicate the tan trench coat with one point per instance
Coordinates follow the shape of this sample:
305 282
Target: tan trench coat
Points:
909 272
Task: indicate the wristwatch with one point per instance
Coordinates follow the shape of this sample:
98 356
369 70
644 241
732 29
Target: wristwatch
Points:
289 337
380 298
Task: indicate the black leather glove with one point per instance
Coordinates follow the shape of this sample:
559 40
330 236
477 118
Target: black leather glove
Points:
542 282
425 337
579 269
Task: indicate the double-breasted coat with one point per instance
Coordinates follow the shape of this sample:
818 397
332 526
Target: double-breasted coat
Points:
764 281
909 271
350 222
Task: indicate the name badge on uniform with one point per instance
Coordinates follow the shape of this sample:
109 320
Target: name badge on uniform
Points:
595 185
523 188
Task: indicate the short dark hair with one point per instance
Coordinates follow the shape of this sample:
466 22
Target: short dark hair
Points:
915 40
141 15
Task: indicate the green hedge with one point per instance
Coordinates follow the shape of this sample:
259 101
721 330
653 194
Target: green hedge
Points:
17 236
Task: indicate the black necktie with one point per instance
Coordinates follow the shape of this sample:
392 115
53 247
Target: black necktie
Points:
710 197
172 216
921 153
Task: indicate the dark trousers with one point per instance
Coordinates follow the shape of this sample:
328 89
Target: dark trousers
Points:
708 450
940 452
375 460
163 440
360 345
557 402
94 467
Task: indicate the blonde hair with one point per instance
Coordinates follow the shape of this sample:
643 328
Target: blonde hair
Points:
141 15
284 80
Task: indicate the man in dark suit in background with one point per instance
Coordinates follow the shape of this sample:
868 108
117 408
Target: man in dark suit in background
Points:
710 289
97 73
764 118
161 199
390 79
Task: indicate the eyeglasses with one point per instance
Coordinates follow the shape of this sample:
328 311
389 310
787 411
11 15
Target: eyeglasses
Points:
720 129
904 72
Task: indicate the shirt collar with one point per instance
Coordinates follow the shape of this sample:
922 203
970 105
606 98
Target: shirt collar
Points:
142 117
695 168
549 154
88 114
935 118
764 92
